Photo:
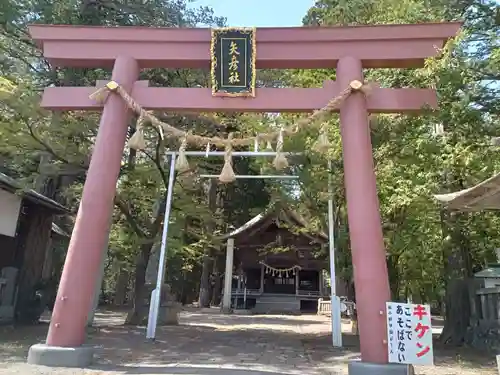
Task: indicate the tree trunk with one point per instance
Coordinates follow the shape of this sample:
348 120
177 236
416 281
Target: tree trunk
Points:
217 285
217 292
34 236
121 288
45 184
351 291
457 313
204 297
135 316
394 282
458 270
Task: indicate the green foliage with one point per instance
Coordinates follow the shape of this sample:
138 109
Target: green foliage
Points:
27 133
413 163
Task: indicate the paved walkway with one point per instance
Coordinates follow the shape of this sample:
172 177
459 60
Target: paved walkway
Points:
205 343
209 343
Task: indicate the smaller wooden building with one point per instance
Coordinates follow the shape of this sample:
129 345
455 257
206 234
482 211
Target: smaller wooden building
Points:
275 264
26 233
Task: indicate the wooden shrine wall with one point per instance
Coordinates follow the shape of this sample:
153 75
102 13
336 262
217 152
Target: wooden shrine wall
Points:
303 251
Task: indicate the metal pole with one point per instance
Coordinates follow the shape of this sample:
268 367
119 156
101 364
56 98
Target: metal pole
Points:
335 300
251 176
154 306
234 153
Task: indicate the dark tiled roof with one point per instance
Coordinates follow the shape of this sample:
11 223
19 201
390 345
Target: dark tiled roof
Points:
8 183
280 212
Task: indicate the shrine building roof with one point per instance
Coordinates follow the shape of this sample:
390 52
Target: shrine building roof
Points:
483 196
279 215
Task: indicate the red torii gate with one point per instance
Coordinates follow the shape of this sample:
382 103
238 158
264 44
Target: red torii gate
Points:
129 49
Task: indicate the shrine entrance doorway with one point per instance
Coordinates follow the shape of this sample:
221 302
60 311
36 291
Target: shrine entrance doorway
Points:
284 284
129 49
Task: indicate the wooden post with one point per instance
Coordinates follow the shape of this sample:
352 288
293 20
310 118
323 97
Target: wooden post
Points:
262 271
228 278
297 281
88 240
365 228
320 282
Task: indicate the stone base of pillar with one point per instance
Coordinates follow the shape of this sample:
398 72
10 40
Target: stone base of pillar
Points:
362 368
242 312
226 310
208 309
56 356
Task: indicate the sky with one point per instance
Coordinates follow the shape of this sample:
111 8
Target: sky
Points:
259 13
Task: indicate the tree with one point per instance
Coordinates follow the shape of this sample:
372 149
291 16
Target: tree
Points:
427 247
67 138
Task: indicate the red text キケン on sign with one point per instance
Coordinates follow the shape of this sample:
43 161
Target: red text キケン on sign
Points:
409 333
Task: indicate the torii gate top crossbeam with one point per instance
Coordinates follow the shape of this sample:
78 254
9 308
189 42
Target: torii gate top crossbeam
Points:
381 46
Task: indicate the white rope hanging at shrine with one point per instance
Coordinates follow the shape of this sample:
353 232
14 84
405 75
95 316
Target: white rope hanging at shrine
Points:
280 271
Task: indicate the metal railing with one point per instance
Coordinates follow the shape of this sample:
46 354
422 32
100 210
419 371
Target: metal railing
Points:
347 308
253 292
308 293
487 305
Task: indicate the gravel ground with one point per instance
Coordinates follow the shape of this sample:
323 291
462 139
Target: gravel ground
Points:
209 343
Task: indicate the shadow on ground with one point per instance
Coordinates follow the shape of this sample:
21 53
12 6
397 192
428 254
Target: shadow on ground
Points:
15 341
191 370
193 345
319 348
208 343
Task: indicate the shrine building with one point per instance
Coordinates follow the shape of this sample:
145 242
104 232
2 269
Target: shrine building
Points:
278 264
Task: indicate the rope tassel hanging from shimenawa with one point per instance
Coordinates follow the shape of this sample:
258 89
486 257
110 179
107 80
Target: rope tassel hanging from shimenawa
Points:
227 174
114 88
137 141
323 143
181 164
280 161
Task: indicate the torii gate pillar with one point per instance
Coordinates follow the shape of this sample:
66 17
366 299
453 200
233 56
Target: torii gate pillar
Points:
365 229
68 323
